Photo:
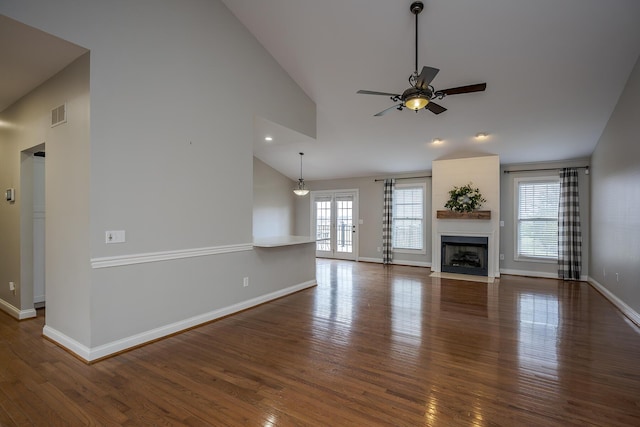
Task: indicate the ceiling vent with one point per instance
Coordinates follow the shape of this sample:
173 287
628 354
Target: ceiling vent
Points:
59 115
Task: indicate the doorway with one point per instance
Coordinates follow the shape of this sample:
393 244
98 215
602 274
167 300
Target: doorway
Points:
38 229
333 217
32 229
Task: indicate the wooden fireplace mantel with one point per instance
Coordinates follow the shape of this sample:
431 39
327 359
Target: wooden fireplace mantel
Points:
463 215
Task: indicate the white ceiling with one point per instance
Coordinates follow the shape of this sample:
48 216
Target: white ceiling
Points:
554 71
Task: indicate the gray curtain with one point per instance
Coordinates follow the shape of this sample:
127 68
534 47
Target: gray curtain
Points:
569 234
387 222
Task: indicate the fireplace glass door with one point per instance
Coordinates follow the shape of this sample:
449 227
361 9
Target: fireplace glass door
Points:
464 255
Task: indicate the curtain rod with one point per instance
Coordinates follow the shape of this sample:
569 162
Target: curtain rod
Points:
408 177
586 168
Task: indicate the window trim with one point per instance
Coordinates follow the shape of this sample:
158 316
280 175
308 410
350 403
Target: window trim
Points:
516 222
423 186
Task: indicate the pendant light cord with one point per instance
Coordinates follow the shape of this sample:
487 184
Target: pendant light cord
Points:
301 154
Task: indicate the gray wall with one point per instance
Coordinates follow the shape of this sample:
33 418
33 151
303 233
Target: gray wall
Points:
370 211
370 204
168 159
67 176
507 210
273 202
615 205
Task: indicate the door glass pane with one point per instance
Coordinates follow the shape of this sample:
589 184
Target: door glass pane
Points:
344 225
323 225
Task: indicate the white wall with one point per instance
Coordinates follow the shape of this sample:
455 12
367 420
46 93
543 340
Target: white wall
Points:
615 202
170 162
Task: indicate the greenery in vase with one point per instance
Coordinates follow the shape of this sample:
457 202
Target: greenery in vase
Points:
464 199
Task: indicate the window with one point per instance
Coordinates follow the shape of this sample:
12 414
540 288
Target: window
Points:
408 217
537 218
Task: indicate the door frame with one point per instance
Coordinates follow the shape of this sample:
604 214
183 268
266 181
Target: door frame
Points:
356 218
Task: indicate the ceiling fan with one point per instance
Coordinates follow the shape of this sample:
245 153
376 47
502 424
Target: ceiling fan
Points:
421 93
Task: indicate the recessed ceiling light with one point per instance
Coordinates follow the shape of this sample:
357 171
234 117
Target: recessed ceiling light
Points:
437 140
481 135
268 138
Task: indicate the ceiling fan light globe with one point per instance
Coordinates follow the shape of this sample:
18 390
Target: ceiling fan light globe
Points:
416 103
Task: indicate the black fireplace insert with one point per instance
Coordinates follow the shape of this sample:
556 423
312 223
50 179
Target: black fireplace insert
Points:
465 255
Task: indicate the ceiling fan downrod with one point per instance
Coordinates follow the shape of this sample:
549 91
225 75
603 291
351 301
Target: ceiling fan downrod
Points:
416 7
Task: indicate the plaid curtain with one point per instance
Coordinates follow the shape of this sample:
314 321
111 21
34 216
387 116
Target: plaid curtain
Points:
569 234
387 221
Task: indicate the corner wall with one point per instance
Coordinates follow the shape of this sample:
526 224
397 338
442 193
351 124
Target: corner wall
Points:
67 198
615 203
171 164
273 202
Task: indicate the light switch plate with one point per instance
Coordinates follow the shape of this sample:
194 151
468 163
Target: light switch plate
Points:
114 236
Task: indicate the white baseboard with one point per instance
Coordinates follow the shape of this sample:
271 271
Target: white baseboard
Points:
15 312
397 262
542 274
633 315
411 263
99 352
376 260
529 273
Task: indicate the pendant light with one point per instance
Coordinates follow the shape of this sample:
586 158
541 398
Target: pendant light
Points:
301 189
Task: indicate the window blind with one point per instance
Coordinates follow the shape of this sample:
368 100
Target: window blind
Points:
537 234
408 218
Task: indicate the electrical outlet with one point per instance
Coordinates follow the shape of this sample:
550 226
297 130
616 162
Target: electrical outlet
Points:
501 257
245 282
12 287
617 277
379 248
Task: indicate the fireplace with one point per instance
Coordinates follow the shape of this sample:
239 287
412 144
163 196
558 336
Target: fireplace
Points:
464 255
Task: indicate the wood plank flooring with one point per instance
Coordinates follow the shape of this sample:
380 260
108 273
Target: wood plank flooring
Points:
370 345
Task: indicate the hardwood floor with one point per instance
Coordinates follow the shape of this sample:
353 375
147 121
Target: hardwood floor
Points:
370 345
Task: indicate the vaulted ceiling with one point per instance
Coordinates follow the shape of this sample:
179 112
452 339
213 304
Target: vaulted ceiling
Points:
554 72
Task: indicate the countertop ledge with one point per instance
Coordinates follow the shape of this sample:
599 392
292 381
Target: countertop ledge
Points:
276 241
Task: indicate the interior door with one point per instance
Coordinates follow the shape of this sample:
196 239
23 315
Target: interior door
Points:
333 218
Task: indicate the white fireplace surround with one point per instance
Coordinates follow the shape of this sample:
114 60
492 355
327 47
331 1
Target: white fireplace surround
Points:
484 173
492 266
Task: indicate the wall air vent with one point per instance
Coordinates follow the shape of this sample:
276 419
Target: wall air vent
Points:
59 115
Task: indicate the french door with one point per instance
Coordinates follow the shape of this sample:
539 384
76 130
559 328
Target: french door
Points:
333 217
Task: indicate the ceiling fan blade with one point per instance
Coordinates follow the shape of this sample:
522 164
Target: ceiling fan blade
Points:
426 76
435 108
383 112
370 92
464 89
